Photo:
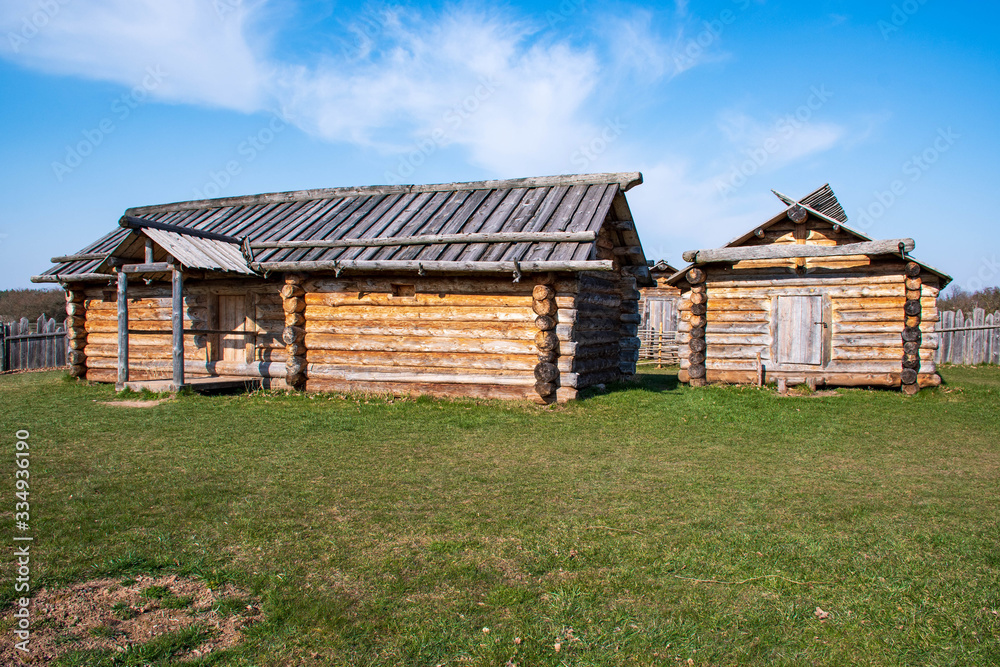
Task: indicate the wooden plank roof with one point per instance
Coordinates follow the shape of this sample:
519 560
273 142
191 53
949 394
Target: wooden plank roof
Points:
574 203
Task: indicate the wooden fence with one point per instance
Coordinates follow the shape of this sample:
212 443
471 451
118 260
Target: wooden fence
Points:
657 347
26 345
970 339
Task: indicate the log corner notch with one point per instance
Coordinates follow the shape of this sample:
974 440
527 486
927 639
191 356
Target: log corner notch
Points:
76 332
543 303
294 333
629 318
696 343
909 375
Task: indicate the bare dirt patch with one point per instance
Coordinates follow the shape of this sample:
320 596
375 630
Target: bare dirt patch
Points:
135 404
117 614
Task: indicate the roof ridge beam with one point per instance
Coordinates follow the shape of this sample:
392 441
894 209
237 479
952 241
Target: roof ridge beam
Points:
625 181
794 250
133 222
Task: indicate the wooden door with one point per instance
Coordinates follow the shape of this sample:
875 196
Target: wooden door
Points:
660 314
232 317
800 330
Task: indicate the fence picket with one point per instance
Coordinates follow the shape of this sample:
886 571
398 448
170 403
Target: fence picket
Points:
996 339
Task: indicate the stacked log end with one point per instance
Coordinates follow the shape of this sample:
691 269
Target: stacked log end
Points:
294 333
696 337
629 341
543 303
909 374
76 332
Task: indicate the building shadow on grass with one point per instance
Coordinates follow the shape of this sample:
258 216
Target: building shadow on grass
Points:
656 381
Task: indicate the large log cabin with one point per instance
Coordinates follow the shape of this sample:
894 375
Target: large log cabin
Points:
805 299
516 289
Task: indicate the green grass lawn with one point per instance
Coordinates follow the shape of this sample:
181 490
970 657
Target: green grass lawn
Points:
654 524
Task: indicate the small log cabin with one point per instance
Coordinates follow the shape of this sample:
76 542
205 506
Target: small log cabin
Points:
518 289
804 299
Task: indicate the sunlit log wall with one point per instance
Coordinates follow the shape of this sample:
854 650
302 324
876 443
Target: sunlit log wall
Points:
540 339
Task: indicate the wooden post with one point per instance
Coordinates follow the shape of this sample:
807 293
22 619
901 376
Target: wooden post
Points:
177 292
909 374
659 348
149 251
294 333
697 347
76 331
543 303
122 330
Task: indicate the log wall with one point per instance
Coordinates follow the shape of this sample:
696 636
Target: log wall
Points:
863 339
439 336
542 339
151 355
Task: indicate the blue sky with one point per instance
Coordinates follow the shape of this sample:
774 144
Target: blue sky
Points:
116 103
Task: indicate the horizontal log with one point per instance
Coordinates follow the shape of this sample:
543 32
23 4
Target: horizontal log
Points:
592 365
737 352
590 379
383 374
69 278
795 250
867 340
737 339
79 257
134 222
436 266
419 300
800 377
455 329
400 343
869 353
153 267
510 362
157 326
768 278
873 315
483 285
737 305
102 357
418 313
195 367
99 305
589 351
738 327
439 389
433 239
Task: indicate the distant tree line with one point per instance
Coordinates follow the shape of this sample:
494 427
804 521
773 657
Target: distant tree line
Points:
30 303
955 298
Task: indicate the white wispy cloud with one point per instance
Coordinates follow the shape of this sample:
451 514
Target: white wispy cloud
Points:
205 59
469 78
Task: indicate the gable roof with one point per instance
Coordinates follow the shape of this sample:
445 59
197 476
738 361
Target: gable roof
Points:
556 204
831 212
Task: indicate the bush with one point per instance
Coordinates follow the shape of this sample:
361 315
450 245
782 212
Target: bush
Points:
30 303
956 298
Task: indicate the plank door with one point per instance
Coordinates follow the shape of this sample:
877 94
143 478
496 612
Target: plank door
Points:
660 315
800 330
232 317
